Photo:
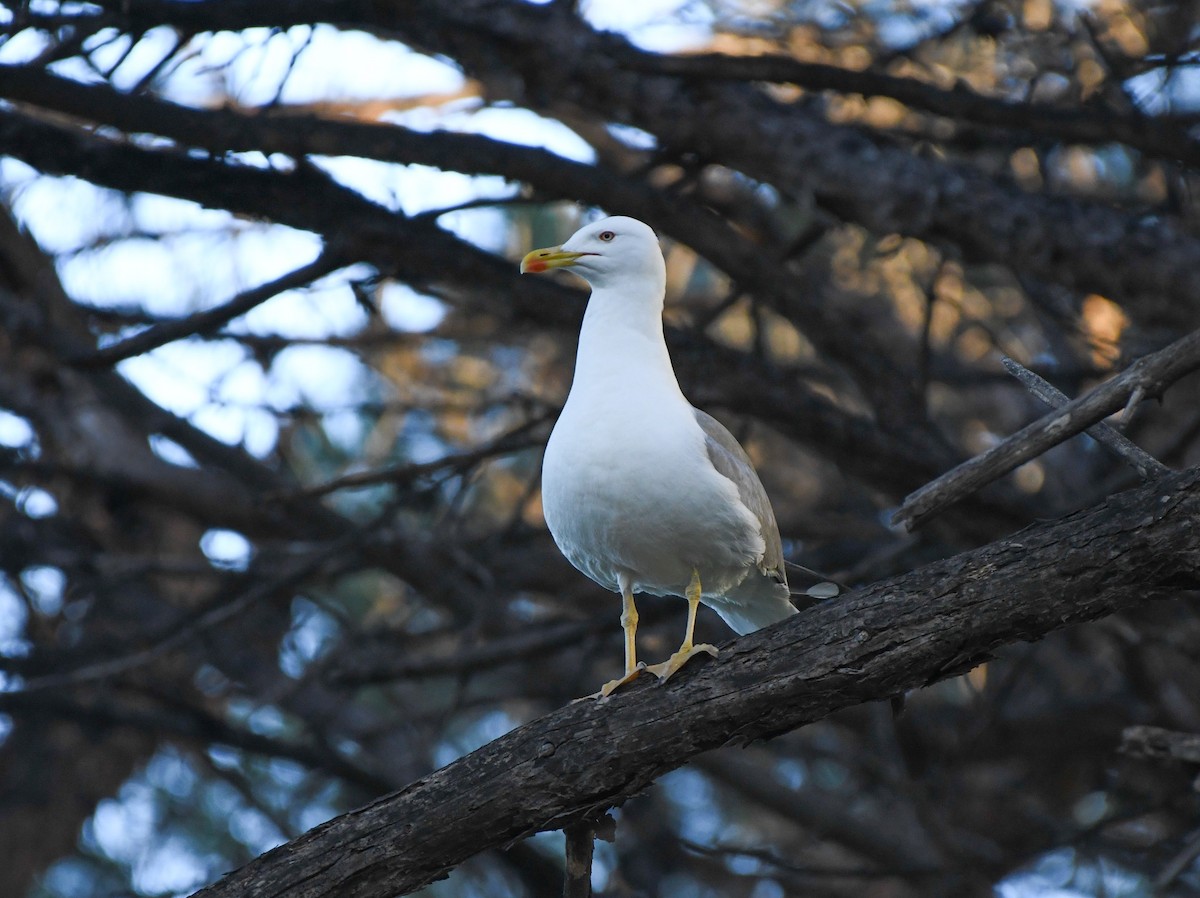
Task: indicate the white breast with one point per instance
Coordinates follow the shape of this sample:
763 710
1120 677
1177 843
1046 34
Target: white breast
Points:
627 487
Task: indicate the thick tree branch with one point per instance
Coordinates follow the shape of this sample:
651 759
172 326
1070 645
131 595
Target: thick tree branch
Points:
1162 138
899 634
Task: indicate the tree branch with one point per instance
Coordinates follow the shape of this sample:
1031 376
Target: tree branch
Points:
1161 138
899 634
1149 375
1142 461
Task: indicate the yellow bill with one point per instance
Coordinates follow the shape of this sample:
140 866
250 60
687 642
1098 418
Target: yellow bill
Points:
545 259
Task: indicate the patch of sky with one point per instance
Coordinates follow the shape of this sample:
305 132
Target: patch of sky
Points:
767 888
658 25
1166 90
24 46
899 29
172 773
226 549
633 137
78 878
105 49
144 273
170 866
254 830
744 865
289 774
322 377
519 126
792 773
311 632
14 615
695 802
1066 873
15 431
314 813
36 503
252 65
64 214
327 309
266 720
15 175
211 681
121 827
248 66
219 798
179 376
604 864
203 381
174 275
485 228
345 429
412 189
242 386
165 215
224 757
147 53
171 452
417 443
45 586
254 430
403 308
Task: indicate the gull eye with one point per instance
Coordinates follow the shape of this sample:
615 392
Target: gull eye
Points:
606 236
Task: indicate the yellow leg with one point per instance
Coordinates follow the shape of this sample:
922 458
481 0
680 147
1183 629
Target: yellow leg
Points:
687 650
629 622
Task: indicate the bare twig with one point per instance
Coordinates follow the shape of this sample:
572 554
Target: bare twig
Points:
515 440
1147 466
1151 374
809 870
1156 743
210 319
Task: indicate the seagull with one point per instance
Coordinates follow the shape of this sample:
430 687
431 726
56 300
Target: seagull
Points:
643 492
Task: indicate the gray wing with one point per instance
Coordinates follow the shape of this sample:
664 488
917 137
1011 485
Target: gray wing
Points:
731 460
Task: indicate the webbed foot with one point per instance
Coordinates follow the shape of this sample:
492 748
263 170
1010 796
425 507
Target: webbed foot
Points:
686 653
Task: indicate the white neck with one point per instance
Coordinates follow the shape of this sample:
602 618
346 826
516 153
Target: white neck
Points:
621 344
